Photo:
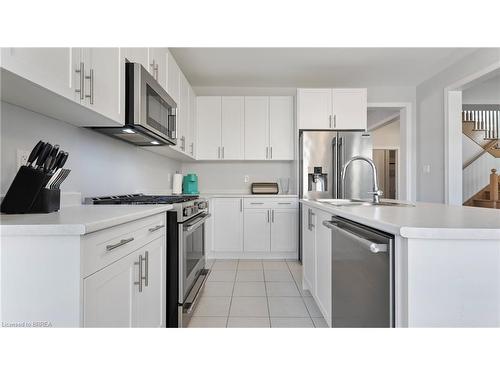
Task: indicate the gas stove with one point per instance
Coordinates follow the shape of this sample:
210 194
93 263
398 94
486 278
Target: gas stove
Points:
186 206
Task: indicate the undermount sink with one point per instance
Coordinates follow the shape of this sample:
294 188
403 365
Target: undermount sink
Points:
359 202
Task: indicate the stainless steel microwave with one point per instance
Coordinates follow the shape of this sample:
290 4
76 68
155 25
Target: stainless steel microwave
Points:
150 113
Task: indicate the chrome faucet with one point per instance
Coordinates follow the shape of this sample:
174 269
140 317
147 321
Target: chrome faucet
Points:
377 193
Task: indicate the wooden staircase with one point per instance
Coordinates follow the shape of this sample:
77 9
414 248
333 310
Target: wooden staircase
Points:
481 123
487 197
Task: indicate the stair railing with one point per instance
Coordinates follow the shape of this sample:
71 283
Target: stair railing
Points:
485 117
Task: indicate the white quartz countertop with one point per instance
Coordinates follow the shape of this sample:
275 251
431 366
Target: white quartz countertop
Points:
425 220
246 195
76 220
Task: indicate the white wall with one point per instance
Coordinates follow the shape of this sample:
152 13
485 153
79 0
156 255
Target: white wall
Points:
100 165
487 92
387 137
227 176
430 121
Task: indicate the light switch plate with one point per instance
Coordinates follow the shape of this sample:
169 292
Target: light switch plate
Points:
246 178
427 168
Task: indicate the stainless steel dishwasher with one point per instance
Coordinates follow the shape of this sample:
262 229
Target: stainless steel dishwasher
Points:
362 275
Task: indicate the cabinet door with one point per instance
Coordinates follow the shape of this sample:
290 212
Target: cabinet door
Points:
228 224
183 116
150 307
349 109
110 296
284 224
103 73
48 67
208 125
314 108
192 123
173 78
308 249
257 230
157 65
137 55
232 127
323 294
281 127
256 127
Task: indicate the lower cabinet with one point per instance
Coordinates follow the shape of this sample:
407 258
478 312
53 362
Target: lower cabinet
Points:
129 292
257 230
316 259
284 225
227 224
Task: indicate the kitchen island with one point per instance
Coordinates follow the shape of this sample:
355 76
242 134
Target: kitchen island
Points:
446 261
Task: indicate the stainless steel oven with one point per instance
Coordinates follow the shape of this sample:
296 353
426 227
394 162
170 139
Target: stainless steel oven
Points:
192 272
150 113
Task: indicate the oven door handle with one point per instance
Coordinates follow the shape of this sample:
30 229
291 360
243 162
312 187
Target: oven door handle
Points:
191 301
197 223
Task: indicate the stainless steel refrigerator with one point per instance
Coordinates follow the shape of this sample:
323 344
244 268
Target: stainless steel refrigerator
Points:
322 157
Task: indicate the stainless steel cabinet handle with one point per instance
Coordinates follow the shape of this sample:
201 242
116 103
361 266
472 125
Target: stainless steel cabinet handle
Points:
284 202
272 216
141 277
91 79
118 244
222 152
334 121
256 202
267 152
146 268
330 121
155 69
218 152
241 204
192 148
271 152
154 229
268 216
81 71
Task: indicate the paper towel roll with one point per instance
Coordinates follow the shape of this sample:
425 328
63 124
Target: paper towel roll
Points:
177 187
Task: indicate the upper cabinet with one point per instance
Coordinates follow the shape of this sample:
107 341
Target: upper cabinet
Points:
157 65
173 78
245 128
137 55
220 127
47 67
332 109
256 127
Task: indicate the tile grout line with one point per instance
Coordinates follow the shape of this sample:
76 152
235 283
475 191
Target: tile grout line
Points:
302 297
232 293
267 296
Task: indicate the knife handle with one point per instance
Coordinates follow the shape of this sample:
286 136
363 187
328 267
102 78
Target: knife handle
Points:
40 161
34 153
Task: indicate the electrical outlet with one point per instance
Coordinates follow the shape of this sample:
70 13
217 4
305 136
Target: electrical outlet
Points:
22 157
246 178
427 169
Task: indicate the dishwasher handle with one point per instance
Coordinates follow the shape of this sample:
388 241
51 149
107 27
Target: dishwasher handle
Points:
369 245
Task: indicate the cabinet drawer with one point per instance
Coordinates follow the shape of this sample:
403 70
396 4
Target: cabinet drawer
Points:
270 203
108 245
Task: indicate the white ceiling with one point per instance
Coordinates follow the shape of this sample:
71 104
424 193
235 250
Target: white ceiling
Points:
316 67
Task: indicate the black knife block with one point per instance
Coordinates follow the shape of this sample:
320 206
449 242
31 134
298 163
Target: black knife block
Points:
27 194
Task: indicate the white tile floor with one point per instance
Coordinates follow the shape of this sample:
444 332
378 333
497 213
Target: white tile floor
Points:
256 293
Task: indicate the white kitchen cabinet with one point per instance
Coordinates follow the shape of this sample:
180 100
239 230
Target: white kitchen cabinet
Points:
110 296
332 109
323 245
173 78
192 123
281 127
284 224
47 67
349 109
157 65
314 108
137 55
208 120
308 249
256 127
183 109
257 230
228 224
232 127
151 300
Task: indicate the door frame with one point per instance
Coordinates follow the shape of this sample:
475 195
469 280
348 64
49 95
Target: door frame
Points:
453 132
407 148
398 170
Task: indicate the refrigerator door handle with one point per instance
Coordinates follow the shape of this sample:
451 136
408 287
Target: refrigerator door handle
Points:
341 184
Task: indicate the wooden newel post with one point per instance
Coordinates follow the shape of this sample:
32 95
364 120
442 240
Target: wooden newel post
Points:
493 185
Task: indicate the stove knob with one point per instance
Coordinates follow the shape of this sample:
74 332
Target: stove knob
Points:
187 211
